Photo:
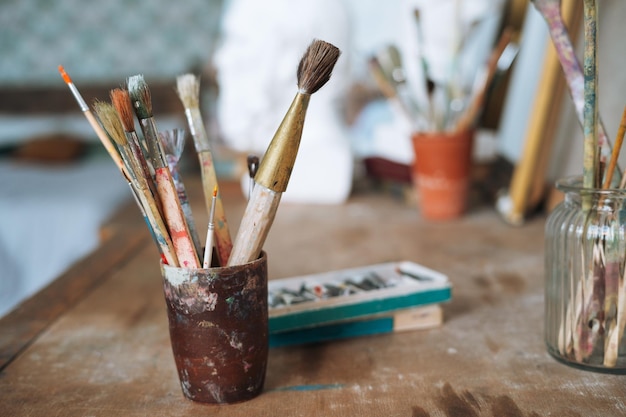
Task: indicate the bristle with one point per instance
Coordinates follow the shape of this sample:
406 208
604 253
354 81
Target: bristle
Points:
188 89
66 77
140 96
110 122
316 66
121 101
215 191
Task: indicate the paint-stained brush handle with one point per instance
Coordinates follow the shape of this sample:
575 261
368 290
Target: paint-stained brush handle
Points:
551 12
255 225
181 238
188 88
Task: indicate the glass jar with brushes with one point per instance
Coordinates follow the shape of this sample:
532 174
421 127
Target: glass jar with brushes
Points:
585 291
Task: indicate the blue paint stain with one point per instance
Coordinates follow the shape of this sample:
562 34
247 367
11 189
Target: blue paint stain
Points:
312 387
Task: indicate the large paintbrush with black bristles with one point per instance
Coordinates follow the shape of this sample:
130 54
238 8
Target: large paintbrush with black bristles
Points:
272 177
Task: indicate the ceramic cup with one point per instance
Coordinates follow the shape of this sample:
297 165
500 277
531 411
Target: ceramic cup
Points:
219 330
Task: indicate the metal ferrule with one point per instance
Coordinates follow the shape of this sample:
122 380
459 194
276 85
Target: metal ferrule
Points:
277 164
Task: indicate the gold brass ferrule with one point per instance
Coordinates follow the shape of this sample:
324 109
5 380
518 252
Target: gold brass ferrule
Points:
277 163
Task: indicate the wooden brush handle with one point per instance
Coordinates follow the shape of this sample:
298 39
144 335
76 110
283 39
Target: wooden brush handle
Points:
179 231
255 224
148 206
157 226
551 12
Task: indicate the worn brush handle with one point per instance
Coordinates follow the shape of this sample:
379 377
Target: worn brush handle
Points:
179 231
590 103
255 224
148 206
223 241
157 227
142 168
551 12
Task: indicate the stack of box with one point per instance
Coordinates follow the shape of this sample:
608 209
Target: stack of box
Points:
376 299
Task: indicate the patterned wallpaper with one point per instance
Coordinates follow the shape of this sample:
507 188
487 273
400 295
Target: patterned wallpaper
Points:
104 41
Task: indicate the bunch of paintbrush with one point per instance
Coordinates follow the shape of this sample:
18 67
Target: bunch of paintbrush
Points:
149 164
443 105
129 151
596 312
551 12
143 163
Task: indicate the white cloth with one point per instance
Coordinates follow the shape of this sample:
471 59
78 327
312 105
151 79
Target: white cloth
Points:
50 218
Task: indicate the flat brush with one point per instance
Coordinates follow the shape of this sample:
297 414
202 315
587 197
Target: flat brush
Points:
104 138
314 70
113 126
188 89
172 210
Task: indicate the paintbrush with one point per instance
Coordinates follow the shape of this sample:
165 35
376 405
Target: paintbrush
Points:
188 88
106 141
600 280
121 101
208 247
113 126
617 146
551 12
172 210
314 70
173 143
390 61
590 108
483 81
615 300
428 83
388 90
595 283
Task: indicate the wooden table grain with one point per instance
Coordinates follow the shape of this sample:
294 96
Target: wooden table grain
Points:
96 342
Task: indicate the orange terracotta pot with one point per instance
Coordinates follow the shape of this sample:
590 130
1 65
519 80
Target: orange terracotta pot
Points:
441 172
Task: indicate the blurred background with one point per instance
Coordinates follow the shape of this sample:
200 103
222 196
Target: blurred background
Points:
58 186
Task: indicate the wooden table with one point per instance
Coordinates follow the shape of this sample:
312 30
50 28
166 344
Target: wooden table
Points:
96 343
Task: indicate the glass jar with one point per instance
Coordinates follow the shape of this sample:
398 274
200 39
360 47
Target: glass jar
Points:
585 295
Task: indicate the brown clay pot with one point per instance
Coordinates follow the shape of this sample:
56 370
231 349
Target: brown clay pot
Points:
219 330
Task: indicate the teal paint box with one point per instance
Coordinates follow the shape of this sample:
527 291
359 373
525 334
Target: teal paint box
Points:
348 295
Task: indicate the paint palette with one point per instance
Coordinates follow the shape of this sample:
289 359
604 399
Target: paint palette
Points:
352 294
